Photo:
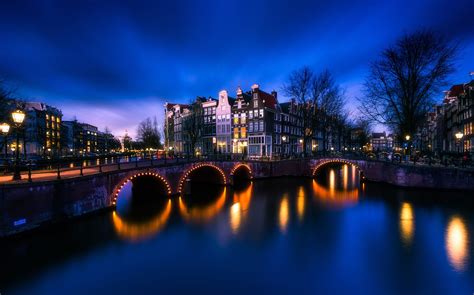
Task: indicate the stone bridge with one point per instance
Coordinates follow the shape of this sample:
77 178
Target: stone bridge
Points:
27 205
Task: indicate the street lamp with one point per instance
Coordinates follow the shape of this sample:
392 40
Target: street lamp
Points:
18 117
407 137
459 135
5 128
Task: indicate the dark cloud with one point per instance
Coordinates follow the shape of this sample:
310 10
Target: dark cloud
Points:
74 53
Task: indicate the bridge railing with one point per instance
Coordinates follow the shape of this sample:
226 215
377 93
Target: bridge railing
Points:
82 168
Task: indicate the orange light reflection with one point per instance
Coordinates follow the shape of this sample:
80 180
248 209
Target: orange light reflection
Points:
135 232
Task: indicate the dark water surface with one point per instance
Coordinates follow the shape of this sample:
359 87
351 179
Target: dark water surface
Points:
286 235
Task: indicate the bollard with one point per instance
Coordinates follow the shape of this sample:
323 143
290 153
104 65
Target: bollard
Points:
82 166
100 166
29 173
59 171
118 163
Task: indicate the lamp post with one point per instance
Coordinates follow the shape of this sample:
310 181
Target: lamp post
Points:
459 135
18 117
407 149
5 128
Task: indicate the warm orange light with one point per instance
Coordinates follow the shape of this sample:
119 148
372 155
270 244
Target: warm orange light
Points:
333 197
202 215
407 223
239 210
284 214
186 174
457 243
135 232
300 203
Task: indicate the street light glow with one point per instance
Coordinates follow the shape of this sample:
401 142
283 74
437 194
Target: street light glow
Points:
18 117
4 127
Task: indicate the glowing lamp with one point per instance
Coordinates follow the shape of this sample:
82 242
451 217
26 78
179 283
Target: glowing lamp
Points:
459 135
407 137
4 127
18 117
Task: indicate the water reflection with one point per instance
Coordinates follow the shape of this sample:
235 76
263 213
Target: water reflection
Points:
138 231
345 178
239 208
300 203
339 188
407 223
201 213
333 197
457 243
284 214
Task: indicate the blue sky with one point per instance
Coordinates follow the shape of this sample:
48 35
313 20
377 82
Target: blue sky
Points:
113 64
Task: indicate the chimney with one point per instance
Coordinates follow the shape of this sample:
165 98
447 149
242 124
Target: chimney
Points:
274 94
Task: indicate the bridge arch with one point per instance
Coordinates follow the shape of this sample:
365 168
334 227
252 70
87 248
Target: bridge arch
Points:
324 162
240 168
193 170
135 176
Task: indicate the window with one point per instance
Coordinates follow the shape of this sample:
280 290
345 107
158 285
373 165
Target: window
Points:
236 132
260 127
242 118
250 115
255 103
261 113
251 127
236 118
243 132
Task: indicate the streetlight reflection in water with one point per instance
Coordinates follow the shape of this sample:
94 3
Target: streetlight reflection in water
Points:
407 223
457 243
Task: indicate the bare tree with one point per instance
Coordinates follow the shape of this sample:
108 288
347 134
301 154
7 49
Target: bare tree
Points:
401 84
298 87
192 125
148 134
328 100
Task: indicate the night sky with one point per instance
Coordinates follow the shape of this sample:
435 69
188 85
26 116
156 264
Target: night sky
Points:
113 64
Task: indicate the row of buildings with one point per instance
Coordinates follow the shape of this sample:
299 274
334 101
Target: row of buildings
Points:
253 123
449 128
44 133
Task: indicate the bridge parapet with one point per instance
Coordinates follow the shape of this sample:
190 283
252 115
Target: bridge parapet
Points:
27 205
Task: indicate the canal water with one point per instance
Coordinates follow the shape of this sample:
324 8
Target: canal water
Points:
330 235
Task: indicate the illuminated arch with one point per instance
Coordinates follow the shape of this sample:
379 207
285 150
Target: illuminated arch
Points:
240 165
189 171
329 161
156 175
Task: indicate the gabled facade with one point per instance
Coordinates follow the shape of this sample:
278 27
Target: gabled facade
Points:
239 122
224 123
261 120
